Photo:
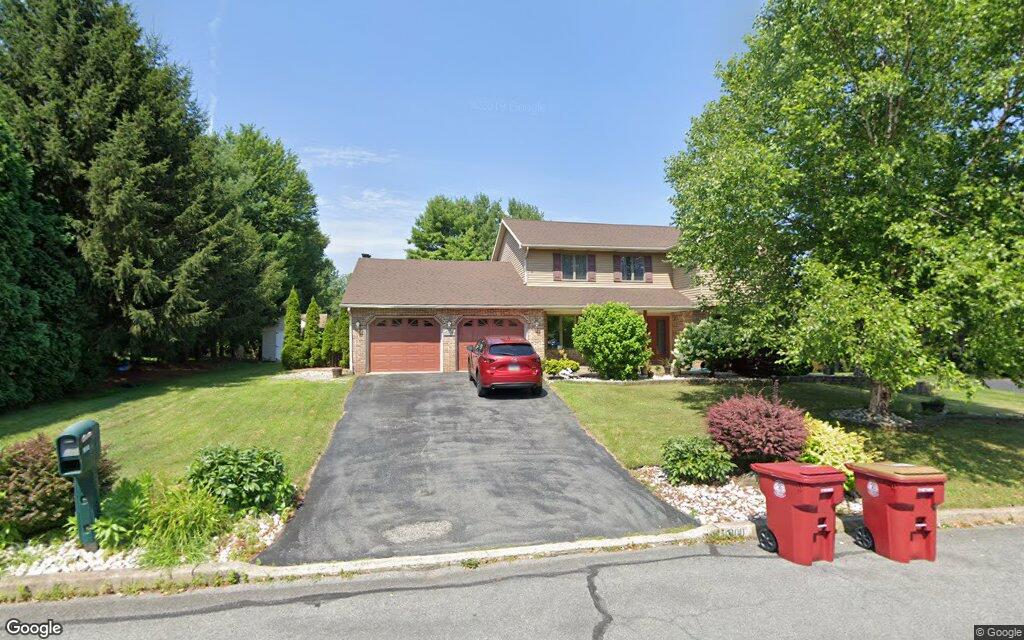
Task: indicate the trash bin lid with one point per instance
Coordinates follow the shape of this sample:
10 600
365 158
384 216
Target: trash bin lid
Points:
800 472
898 471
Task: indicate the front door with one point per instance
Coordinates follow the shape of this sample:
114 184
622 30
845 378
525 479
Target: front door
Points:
657 328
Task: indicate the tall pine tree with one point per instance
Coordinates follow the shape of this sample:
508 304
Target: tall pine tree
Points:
41 349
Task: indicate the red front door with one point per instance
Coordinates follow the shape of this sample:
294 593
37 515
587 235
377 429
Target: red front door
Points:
658 329
472 329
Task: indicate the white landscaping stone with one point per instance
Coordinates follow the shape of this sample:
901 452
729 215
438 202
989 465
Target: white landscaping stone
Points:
711 504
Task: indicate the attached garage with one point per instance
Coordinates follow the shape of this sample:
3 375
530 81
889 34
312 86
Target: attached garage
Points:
472 329
405 344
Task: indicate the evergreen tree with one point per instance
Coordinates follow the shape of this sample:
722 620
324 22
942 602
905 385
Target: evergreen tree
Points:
40 353
292 348
240 282
341 343
328 356
334 344
312 336
107 124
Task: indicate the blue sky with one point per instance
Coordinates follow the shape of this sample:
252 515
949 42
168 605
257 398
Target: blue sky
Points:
572 106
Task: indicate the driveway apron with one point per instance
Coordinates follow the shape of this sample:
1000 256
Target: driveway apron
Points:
419 464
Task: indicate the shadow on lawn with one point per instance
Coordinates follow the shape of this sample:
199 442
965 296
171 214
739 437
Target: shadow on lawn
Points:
27 420
815 398
972 449
980 450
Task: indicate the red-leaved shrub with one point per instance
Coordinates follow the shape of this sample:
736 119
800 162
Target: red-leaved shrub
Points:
754 429
35 497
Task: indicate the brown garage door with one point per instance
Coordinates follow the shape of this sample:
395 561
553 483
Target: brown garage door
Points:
405 344
472 329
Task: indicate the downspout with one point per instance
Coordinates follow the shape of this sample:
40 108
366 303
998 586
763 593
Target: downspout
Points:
350 341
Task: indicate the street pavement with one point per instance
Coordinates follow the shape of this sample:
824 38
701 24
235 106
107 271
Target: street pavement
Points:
702 591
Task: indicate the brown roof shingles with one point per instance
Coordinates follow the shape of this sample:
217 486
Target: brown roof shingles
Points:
377 282
592 235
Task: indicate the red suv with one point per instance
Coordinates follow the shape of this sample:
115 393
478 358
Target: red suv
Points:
508 362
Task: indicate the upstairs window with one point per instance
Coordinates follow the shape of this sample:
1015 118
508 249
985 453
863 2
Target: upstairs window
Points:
574 266
632 268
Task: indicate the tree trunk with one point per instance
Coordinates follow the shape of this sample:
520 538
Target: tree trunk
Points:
880 398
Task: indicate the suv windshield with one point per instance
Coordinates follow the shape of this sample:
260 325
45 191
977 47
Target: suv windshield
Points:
511 350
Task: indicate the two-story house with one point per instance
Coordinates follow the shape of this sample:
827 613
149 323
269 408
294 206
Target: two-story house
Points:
420 315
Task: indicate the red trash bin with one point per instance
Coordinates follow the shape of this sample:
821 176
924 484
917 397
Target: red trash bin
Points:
900 516
802 501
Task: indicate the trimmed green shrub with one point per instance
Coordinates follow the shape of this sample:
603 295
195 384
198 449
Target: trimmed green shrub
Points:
696 459
614 340
252 479
552 366
36 497
834 446
754 429
181 525
125 514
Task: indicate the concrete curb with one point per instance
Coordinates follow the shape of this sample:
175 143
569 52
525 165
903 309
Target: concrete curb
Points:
101 582
58 585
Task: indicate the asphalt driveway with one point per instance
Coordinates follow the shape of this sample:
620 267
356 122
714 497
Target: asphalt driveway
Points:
419 464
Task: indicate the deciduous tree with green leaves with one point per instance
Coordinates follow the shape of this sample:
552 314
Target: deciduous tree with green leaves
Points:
856 192
463 229
274 194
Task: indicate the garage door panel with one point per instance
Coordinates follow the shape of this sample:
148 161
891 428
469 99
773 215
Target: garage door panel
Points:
472 329
405 344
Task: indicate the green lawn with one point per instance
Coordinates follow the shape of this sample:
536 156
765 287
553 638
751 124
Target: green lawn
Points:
984 457
159 426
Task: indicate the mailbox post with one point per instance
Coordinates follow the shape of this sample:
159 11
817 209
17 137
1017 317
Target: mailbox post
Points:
78 457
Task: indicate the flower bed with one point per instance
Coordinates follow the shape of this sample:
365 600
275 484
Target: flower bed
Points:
249 536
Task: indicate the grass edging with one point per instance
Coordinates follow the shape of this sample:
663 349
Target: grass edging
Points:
61 586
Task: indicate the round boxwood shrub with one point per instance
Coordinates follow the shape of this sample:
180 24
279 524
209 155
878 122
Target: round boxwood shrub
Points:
35 497
755 429
614 340
252 479
696 459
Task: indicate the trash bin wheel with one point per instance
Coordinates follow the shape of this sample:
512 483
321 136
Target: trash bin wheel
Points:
767 541
862 538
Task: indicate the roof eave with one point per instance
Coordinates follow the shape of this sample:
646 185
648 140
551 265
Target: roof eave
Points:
500 306
599 248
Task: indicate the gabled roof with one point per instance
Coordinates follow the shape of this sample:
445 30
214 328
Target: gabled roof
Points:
553 234
379 282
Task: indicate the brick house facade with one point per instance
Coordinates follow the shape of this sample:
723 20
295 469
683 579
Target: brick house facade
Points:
411 315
